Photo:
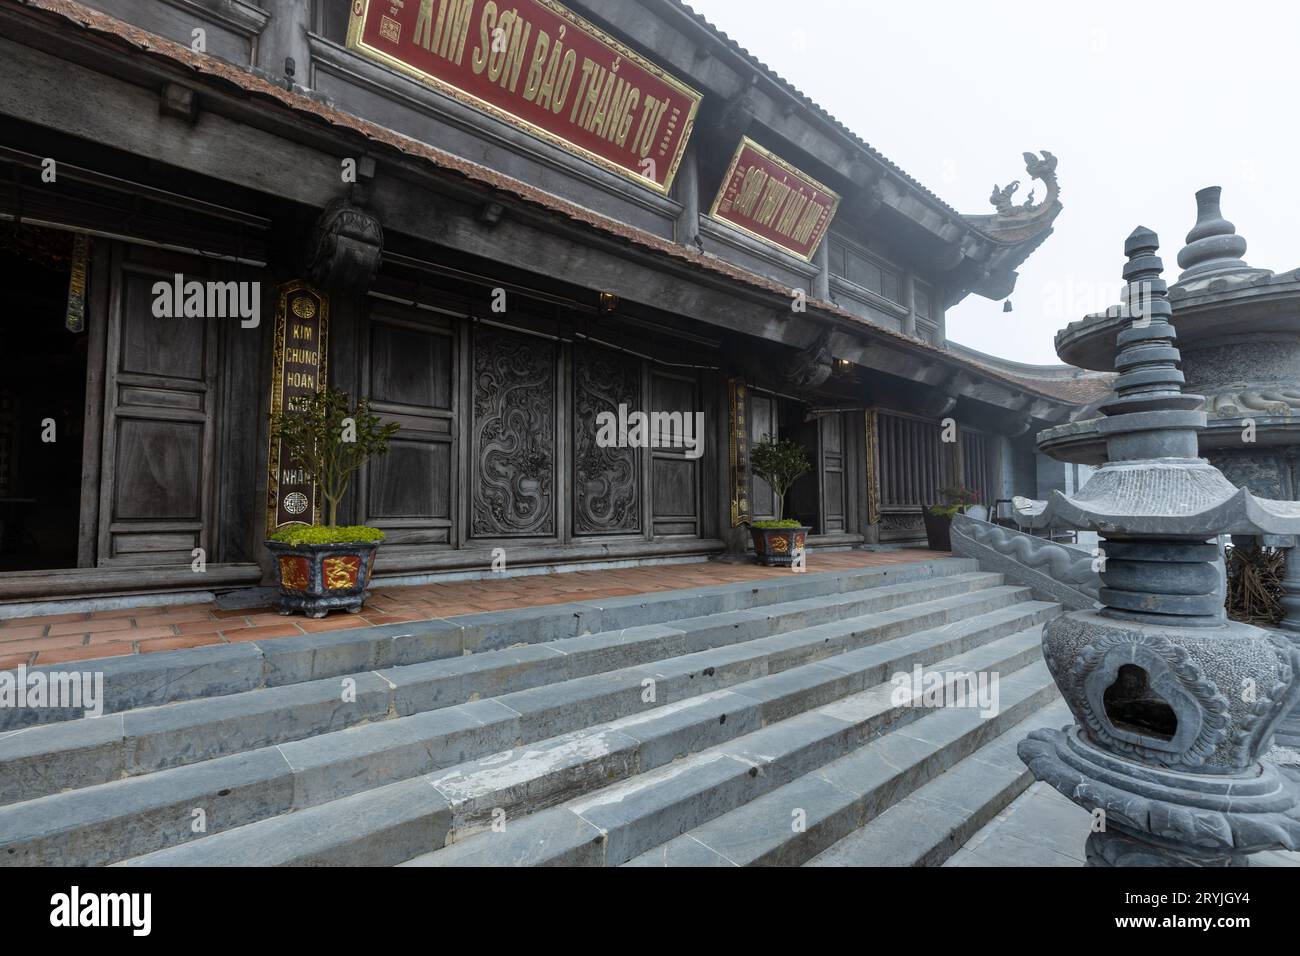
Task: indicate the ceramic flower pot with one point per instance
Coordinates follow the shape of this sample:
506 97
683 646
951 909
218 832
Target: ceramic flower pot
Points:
777 547
319 578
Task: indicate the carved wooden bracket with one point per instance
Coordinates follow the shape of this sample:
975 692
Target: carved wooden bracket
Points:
345 249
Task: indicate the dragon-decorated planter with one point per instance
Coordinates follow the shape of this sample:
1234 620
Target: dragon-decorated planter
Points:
319 578
778 547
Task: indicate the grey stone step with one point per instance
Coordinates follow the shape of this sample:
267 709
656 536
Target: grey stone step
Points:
46 759
334 765
834 805
149 680
629 818
521 780
933 822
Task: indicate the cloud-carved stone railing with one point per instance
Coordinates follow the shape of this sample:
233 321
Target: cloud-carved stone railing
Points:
1063 572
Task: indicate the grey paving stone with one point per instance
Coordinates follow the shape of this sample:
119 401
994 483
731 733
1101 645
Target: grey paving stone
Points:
530 778
343 763
146 680
445 683
611 650
689 726
291 660
655 807
45 759
494 630
683 851
381 827
556 837
191 731
794 691
769 830
112 821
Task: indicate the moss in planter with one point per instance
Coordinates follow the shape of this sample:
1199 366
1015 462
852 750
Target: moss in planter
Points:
296 535
946 511
776 525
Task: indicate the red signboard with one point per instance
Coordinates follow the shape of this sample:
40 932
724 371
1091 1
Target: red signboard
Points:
539 66
767 198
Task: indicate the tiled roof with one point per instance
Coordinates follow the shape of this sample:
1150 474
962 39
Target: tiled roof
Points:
217 71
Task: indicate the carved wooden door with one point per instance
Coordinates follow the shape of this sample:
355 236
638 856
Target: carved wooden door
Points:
410 375
160 400
514 449
762 425
830 448
675 474
607 485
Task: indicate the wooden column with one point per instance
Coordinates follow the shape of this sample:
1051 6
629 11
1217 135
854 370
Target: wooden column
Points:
686 189
821 289
284 38
909 300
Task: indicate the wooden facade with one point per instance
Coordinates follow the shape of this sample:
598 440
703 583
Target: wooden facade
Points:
497 449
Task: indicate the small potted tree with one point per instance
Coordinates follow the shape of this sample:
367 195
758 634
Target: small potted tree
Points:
780 464
323 566
938 518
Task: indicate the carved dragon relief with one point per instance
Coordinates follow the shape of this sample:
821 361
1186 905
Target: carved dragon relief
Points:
1044 170
606 482
812 366
1242 399
514 435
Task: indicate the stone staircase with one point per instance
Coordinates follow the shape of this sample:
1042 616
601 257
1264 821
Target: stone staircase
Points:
748 723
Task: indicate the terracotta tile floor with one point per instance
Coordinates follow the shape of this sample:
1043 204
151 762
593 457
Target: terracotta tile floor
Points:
55 638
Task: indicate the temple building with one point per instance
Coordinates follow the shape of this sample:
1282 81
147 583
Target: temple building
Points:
506 226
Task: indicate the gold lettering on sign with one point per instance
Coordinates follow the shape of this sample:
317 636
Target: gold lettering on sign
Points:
769 199
299 372
540 66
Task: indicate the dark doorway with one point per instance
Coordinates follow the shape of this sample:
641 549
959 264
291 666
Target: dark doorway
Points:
42 397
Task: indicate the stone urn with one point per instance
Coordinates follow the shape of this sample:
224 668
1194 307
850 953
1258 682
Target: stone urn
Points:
318 578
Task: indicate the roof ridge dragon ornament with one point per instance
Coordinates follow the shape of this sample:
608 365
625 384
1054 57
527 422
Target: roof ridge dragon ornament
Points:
1042 169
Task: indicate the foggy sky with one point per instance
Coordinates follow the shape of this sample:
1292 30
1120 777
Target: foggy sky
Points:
1142 103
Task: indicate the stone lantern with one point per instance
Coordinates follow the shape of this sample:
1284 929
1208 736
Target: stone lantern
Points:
1174 704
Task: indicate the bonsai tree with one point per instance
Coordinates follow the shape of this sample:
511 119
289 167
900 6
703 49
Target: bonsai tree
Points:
330 439
955 499
780 464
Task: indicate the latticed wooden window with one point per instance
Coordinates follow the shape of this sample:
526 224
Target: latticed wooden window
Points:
980 465
912 456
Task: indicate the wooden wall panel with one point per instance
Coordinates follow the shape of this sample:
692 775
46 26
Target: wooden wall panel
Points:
409 372
675 478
